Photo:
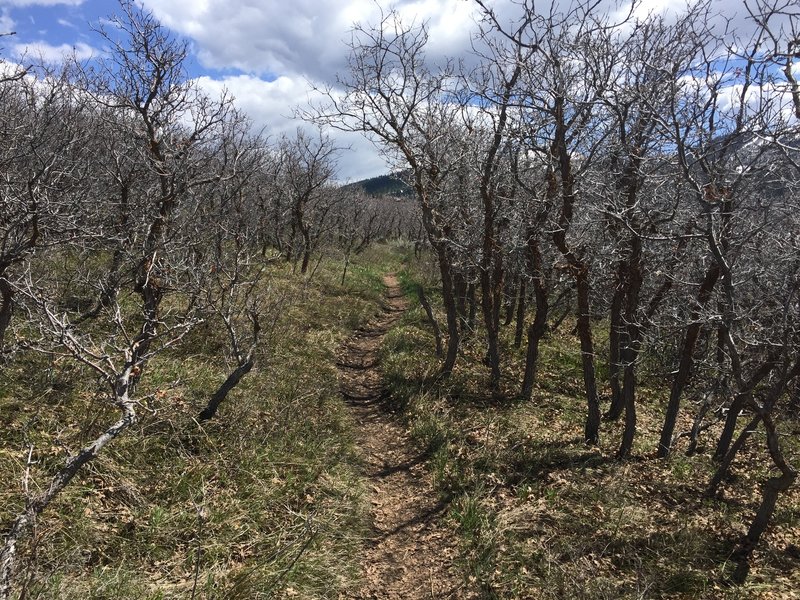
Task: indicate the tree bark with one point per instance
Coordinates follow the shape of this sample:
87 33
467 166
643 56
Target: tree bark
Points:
6 308
460 291
772 489
538 328
615 343
491 263
222 392
473 308
739 401
634 280
346 265
451 311
724 466
437 334
490 308
578 265
519 328
22 523
511 292
592 427
686 360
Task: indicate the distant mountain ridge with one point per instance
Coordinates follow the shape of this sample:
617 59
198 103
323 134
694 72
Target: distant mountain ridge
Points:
384 185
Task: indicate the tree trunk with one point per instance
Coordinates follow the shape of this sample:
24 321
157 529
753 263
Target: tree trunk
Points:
491 263
24 521
512 292
632 338
772 489
473 308
697 425
776 390
538 328
519 328
346 264
686 360
578 266
460 291
628 355
437 334
451 311
725 465
615 342
6 308
490 307
592 427
231 382
739 401
536 332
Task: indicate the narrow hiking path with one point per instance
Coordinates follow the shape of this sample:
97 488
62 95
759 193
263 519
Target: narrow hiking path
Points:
410 554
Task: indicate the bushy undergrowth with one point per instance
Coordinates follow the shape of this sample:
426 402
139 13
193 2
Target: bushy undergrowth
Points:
263 501
541 515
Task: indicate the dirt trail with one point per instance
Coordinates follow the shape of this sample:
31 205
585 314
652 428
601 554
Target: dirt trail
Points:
411 553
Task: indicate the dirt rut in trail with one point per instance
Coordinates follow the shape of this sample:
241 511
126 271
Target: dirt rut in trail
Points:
410 555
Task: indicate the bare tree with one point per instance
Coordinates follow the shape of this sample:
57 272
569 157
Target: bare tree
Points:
563 83
143 80
138 90
396 98
641 216
230 276
117 359
45 166
307 167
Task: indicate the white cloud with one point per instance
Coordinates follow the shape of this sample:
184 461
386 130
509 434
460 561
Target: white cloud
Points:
6 22
451 24
301 36
297 40
264 101
53 54
43 2
270 105
10 69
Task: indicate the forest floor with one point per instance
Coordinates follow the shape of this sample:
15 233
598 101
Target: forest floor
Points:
411 551
409 486
539 514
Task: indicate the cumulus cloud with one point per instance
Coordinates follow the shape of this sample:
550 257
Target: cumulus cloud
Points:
10 69
43 2
279 45
259 37
53 54
299 37
270 105
267 102
6 22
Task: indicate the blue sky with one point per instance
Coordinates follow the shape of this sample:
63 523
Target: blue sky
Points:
57 25
51 27
268 63
269 54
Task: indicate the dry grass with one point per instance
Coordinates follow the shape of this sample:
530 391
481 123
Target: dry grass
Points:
263 501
